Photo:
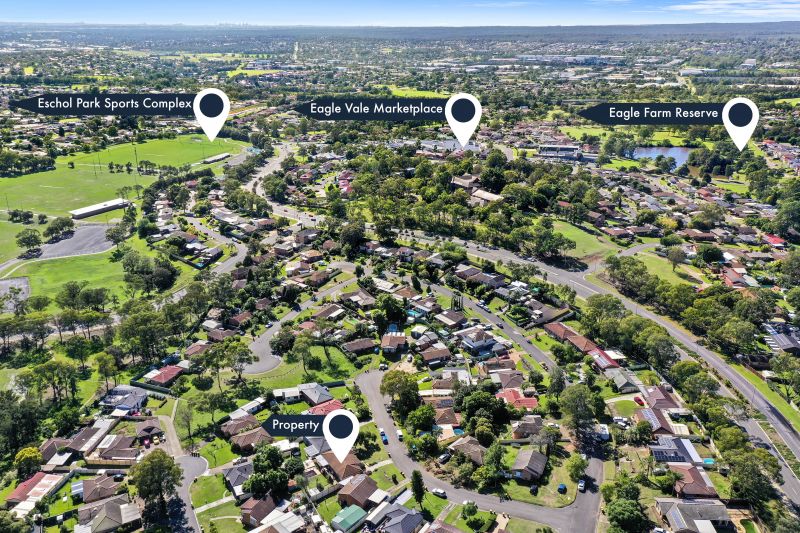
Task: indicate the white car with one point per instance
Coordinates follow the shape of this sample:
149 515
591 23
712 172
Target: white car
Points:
439 492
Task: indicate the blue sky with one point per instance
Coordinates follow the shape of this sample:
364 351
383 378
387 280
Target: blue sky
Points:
401 12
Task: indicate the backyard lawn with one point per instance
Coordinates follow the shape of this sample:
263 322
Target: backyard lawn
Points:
586 244
207 489
383 476
328 508
662 268
379 455
218 452
431 505
224 516
624 408
517 525
454 517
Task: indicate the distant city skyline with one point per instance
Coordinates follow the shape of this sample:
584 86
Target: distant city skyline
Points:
407 13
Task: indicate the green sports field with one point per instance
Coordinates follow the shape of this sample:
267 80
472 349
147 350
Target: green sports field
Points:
8 244
46 277
409 92
58 191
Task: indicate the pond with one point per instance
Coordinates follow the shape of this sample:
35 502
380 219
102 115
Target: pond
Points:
680 153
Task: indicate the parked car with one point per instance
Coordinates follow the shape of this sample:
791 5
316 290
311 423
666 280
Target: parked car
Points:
384 439
381 431
562 489
439 492
156 440
467 502
443 458
399 435
638 400
534 489
582 485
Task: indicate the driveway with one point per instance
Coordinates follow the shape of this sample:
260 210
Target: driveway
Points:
581 515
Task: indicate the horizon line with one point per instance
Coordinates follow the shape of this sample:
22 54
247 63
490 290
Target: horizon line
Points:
379 26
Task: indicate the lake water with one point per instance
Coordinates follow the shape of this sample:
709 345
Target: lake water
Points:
680 153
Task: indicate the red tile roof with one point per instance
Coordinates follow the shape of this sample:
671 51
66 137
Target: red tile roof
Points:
516 399
167 374
326 407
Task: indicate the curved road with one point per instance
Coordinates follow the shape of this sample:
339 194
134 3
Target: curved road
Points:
585 288
580 516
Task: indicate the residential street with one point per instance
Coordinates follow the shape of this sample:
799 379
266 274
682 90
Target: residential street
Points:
585 288
580 516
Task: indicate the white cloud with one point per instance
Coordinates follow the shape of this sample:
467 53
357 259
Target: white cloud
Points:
499 5
749 8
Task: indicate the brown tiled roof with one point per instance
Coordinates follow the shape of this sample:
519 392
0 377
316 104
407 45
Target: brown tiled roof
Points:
249 439
351 466
360 488
238 425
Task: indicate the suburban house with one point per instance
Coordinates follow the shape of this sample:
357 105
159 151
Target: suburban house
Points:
98 488
247 441
235 478
394 342
351 466
451 319
436 354
657 420
358 491
516 399
360 346
255 510
527 426
235 426
148 428
314 393
675 450
111 514
694 482
507 379
658 397
470 447
529 465
694 516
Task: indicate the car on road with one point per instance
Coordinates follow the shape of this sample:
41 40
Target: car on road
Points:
383 366
384 439
638 400
500 325
442 459
381 431
439 492
399 435
582 485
